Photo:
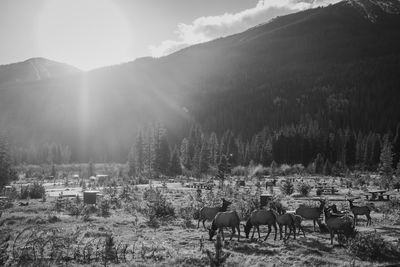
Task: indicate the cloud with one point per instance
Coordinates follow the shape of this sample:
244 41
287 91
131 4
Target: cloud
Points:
204 29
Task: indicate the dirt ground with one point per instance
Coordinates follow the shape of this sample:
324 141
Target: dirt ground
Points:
177 242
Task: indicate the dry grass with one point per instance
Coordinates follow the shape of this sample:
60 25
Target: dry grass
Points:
176 241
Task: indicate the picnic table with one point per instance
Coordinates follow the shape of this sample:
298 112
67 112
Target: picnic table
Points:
200 185
327 189
377 195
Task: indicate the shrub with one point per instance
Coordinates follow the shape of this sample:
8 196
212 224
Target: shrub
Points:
104 208
319 191
160 207
187 213
110 250
287 188
304 189
239 171
73 209
142 180
24 194
372 247
36 191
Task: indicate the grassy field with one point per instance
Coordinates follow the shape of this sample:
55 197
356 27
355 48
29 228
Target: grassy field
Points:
125 228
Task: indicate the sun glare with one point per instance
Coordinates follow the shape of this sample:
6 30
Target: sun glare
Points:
84 33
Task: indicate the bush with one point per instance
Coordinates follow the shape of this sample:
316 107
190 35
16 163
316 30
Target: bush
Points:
319 191
160 207
104 208
372 247
73 209
239 171
287 188
304 189
24 194
37 191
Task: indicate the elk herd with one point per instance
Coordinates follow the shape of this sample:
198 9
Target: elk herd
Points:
336 222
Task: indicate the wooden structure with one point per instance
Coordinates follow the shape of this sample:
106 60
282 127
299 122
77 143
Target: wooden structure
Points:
90 197
330 190
199 185
377 195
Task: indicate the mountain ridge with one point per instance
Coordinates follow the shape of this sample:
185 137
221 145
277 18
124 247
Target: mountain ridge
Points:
329 65
34 69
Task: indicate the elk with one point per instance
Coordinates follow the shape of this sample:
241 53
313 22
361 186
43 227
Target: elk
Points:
208 213
225 219
286 220
260 217
298 220
338 224
360 210
311 213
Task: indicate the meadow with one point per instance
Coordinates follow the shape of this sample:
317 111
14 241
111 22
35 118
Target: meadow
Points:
155 224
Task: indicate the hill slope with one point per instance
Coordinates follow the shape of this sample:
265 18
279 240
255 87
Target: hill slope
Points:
34 69
337 65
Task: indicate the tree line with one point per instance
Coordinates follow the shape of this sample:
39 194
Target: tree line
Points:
7 173
305 143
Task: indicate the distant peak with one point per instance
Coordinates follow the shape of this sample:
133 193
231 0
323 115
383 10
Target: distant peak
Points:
371 9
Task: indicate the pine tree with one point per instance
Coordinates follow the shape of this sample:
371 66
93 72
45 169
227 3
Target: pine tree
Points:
274 168
213 148
319 164
398 169
162 153
205 157
397 182
131 163
53 171
91 171
185 157
149 145
139 154
327 168
350 149
396 145
222 168
386 159
6 172
175 164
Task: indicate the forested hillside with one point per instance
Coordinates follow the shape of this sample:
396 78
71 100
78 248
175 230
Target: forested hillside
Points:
322 81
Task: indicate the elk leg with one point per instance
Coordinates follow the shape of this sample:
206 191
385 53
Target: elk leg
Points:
254 230
276 231
233 232
204 224
290 231
280 232
258 230
368 219
332 235
238 233
269 231
294 231
222 232
314 225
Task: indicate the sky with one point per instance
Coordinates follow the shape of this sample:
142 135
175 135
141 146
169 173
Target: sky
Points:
90 34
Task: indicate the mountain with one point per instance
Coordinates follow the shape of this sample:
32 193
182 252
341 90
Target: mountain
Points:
336 66
34 69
